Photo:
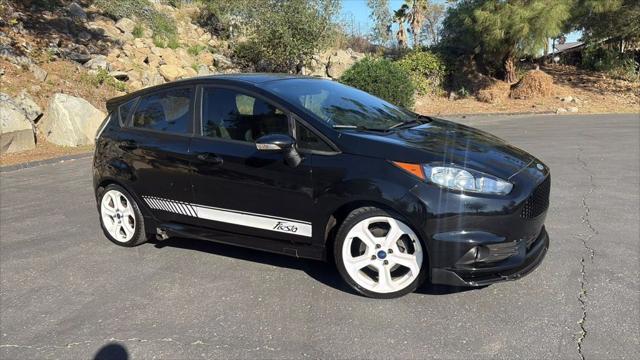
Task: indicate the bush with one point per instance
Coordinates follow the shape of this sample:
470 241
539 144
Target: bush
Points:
621 66
427 71
138 31
382 78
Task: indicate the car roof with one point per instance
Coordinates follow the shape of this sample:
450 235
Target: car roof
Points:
254 79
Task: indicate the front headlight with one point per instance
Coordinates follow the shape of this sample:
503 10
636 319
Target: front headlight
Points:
466 180
457 178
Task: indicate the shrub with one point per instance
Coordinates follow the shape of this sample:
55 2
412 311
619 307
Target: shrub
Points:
382 78
163 26
138 31
196 50
621 66
427 70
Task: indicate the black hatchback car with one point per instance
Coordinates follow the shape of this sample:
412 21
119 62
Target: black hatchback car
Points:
315 169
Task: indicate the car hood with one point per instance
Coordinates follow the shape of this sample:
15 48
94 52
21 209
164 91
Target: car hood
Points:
441 141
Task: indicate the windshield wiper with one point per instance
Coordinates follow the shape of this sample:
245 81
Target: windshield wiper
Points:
355 127
419 119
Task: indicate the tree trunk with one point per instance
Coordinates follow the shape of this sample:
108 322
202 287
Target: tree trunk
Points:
510 75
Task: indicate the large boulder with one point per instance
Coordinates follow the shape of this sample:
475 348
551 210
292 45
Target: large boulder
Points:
16 132
76 11
71 121
340 61
29 107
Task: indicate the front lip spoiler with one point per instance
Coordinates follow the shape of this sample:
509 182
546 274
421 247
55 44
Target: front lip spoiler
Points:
537 254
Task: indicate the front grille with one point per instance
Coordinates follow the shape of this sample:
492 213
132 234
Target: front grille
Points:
538 202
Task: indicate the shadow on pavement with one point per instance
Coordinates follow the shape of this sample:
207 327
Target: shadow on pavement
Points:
112 351
324 272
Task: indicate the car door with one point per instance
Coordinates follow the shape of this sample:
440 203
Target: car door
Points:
154 144
238 188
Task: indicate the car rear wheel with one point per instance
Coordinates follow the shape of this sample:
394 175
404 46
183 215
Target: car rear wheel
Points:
378 254
120 217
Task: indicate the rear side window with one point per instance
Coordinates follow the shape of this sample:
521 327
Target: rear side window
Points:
307 140
168 111
124 111
229 114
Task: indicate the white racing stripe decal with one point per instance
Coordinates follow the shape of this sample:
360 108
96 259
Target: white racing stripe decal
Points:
258 221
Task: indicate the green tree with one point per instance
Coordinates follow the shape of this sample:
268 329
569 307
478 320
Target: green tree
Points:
612 20
497 32
382 19
288 33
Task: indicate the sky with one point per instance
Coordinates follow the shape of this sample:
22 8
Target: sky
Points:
355 13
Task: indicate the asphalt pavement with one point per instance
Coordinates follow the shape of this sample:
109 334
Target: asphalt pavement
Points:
67 292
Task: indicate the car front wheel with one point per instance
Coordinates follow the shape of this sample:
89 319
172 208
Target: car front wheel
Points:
379 255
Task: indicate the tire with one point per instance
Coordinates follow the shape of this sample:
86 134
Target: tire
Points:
122 222
379 255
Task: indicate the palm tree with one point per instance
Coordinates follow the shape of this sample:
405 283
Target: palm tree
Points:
416 16
400 16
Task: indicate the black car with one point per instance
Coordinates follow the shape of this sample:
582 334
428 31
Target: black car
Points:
315 169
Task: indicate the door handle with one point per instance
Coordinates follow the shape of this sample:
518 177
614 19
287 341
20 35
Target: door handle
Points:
210 158
128 145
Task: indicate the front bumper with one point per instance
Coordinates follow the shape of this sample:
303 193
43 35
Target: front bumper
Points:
526 258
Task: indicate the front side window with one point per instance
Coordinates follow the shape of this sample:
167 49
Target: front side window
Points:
229 114
168 111
307 140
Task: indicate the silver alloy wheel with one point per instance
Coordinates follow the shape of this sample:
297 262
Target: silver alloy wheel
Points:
118 216
382 263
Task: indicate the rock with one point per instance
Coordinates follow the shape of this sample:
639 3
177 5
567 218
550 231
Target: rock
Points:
222 62
189 72
561 110
39 73
339 62
77 56
98 62
16 132
76 11
31 110
71 121
203 70
205 58
151 78
171 72
119 75
126 25
452 96
567 99
572 109
134 85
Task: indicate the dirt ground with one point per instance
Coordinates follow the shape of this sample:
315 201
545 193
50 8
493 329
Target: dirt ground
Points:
595 93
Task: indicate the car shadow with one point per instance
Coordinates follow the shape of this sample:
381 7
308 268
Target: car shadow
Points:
323 272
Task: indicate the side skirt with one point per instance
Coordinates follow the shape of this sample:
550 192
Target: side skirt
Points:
269 245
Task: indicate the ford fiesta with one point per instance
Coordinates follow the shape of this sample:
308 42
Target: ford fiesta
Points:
314 169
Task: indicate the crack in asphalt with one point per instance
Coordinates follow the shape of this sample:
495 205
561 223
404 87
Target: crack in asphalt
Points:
586 220
87 342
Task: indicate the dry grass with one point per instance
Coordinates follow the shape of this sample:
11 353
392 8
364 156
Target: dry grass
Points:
534 84
495 93
596 93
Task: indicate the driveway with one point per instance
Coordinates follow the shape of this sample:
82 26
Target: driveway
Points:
67 292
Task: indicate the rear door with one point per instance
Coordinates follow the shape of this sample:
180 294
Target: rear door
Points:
238 188
154 146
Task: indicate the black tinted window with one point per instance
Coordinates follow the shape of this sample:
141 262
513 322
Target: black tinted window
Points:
229 114
308 140
125 111
168 111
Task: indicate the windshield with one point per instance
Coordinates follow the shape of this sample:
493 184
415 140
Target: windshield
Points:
340 105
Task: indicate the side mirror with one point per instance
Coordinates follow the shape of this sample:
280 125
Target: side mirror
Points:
280 143
275 143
